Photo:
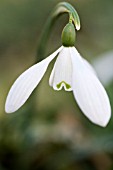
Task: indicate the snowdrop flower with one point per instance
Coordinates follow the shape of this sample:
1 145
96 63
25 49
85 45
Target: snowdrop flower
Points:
71 72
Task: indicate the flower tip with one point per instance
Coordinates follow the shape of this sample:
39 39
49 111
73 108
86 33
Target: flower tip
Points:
9 108
104 122
78 27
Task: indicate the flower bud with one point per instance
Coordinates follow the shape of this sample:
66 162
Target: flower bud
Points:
68 35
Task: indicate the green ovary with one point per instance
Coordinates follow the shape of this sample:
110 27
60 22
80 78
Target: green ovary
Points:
68 35
67 85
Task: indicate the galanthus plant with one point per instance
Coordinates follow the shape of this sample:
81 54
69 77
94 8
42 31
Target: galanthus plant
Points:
70 71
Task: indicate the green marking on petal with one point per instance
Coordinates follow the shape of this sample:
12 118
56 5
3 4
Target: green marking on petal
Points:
67 85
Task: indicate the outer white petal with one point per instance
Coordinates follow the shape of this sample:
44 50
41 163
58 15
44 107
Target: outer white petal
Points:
62 71
89 66
26 83
89 92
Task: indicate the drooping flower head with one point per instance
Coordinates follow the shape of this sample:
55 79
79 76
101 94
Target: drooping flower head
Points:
71 72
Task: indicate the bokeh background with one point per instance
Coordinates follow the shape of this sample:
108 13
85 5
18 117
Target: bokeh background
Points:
49 132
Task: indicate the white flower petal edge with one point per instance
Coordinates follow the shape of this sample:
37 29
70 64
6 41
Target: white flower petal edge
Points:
89 92
26 83
89 66
61 75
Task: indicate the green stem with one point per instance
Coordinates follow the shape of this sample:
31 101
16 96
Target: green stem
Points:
61 8
44 38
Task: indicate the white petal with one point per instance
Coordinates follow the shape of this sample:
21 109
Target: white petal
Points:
89 66
26 83
89 92
61 75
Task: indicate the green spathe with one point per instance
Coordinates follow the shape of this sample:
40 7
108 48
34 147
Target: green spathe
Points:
68 35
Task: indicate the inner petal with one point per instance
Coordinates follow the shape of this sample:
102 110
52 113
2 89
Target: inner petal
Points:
61 75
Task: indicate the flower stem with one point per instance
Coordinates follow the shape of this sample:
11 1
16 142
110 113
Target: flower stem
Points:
61 8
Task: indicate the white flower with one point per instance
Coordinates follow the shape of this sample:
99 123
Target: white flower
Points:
73 73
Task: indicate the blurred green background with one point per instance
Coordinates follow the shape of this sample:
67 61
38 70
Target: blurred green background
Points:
50 132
